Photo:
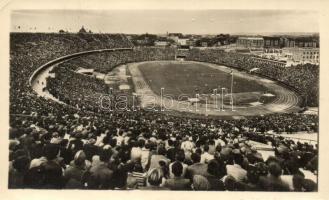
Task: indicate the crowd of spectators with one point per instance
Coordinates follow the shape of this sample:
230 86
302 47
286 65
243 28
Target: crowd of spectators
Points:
88 92
104 62
78 90
28 51
72 146
147 151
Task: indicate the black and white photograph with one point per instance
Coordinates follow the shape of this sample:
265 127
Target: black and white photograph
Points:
164 100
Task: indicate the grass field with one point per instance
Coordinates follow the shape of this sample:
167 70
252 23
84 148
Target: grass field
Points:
192 78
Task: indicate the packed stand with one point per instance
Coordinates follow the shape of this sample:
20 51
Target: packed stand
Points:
153 153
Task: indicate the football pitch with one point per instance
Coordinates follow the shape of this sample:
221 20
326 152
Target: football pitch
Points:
182 80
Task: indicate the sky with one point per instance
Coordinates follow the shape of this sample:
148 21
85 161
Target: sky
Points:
162 21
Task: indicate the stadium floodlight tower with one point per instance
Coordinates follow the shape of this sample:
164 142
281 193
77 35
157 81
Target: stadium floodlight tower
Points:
232 81
162 89
223 98
215 95
161 99
196 103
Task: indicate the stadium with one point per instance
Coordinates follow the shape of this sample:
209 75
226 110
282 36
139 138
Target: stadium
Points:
180 83
79 100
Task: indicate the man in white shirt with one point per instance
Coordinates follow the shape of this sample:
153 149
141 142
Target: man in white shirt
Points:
136 151
187 145
206 157
145 156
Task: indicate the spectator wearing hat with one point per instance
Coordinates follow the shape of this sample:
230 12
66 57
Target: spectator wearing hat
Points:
55 138
38 161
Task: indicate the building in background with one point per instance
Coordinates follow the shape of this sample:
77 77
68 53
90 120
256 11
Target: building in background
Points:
273 42
250 42
302 55
190 42
204 44
289 42
301 42
182 41
305 42
174 36
161 43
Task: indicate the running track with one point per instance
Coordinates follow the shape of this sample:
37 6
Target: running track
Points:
286 100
